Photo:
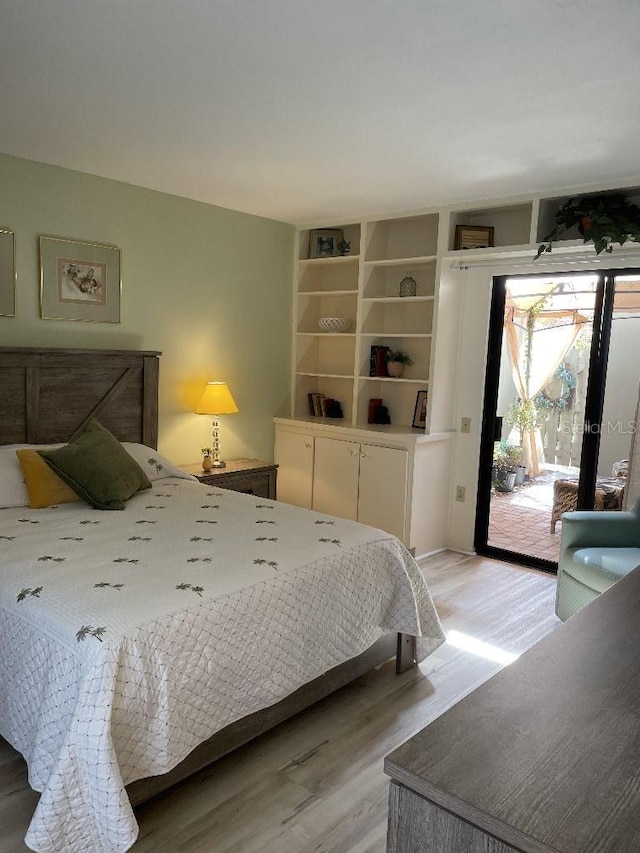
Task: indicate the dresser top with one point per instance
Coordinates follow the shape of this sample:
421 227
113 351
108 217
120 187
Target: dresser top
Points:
545 756
232 466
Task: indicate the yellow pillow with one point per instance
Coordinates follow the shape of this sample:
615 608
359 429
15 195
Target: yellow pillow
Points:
43 486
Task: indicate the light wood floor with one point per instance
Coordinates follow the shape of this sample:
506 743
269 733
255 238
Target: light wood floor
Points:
316 782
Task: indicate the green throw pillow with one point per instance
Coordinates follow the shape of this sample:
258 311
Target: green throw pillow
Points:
98 468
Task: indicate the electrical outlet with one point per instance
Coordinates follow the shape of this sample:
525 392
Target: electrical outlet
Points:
461 493
465 424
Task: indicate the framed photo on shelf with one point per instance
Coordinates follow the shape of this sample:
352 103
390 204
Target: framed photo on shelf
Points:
79 281
323 242
420 411
473 237
7 273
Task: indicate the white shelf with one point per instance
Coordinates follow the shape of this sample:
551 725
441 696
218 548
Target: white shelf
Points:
403 262
400 299
493 252
327 334
327 293
394 335
340 259
411 381
325 375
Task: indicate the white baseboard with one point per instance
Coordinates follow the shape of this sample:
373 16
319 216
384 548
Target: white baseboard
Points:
462 549
454 548
431 553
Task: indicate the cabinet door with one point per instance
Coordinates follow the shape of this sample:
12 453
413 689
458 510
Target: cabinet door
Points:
294 454
382 500
335 480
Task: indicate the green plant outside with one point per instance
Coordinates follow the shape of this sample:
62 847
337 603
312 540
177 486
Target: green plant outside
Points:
524 415
506 457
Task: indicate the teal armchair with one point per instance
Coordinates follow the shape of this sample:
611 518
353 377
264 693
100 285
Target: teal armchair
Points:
596 550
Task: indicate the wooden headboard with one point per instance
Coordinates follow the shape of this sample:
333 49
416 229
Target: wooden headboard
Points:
46 395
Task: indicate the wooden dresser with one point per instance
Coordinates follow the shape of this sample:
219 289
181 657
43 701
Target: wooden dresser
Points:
542 758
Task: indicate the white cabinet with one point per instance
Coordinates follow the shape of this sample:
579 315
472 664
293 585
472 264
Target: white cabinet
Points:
363 482
383 486
294 455
395 481
335 484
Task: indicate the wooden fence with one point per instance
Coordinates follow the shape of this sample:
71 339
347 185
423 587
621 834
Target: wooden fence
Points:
561 429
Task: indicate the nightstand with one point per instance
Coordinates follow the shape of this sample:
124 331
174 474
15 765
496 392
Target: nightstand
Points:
250 476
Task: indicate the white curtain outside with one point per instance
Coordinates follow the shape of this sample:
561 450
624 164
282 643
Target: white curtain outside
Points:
537 345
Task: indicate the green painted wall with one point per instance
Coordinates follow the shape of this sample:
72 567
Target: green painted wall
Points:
211 288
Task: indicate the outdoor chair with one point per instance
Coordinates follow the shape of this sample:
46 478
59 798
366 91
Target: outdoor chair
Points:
596 550
609 496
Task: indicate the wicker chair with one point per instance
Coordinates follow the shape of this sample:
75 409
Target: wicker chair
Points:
609 496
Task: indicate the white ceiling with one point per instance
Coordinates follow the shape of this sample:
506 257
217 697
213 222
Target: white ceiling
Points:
314 110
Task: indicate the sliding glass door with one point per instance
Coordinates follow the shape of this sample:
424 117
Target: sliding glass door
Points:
557 421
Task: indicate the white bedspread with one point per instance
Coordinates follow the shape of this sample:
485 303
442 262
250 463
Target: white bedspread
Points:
127 638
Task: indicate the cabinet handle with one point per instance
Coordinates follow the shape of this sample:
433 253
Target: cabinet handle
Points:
308 445
363 455
353 453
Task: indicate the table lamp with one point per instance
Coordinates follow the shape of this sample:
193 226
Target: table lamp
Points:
216 400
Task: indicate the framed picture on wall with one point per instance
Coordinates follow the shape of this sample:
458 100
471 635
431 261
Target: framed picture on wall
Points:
7 273
79 281
473 237
420 411
323 243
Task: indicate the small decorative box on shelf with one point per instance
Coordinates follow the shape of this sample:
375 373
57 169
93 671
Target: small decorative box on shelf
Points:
251 476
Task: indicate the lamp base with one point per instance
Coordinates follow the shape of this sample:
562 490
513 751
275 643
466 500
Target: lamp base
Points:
219 464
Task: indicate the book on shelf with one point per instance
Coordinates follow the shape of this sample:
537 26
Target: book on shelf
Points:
374 405
378 361
316 404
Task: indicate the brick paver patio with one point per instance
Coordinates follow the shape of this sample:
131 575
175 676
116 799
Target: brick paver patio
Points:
520 520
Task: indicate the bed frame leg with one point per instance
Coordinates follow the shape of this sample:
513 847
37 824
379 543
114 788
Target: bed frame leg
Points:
406 653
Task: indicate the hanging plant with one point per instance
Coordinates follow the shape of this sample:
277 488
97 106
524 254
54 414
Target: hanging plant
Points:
568 380
603 219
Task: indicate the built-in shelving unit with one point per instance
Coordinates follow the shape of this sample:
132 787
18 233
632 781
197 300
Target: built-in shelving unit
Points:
388 475
363 286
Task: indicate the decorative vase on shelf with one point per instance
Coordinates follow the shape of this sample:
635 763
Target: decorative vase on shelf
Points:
207 463
395 369
408 286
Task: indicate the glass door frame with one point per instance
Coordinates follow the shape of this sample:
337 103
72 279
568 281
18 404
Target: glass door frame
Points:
594 404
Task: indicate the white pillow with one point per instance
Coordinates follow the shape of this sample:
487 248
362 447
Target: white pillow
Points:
155 466
13 491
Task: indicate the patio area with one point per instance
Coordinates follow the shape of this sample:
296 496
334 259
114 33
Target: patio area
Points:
520 520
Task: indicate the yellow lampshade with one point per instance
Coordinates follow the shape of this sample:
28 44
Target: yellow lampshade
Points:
216 400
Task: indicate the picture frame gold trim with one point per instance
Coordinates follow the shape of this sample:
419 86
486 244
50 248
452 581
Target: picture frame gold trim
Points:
420 411
8 273
79 280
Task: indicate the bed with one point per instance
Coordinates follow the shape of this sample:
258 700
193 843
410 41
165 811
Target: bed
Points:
139 645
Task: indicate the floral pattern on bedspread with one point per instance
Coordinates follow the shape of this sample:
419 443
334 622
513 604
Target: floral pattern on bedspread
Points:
130 637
